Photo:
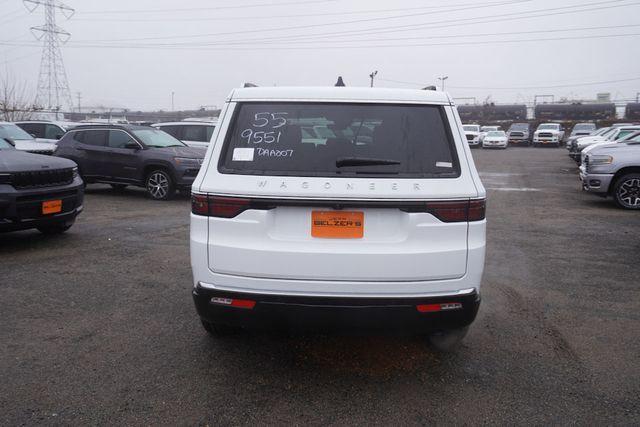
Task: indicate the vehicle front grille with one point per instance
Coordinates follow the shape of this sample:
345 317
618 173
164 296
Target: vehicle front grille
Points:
43 178
516 134
545 135
470 137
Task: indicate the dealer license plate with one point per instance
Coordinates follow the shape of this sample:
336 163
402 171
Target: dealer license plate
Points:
51 207
337 224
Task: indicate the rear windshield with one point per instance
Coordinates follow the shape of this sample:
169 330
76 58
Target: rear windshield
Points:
339 139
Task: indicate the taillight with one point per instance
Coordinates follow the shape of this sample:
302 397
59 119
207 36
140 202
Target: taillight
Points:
221 207
458 211
200 204
227 207
477 209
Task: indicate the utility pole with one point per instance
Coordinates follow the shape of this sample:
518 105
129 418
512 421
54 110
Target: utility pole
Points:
372 76
79 96
53 86
442 79
172 98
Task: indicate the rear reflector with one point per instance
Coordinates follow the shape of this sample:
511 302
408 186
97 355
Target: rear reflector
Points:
239 303
445 306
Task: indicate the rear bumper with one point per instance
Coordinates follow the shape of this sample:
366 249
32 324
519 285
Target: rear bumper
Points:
337 313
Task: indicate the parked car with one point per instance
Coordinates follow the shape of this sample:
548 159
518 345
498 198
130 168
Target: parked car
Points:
21 140
495 139
519 134
37 191
192 133
123 155
572 141
472 133
486 129
625 137
582 129
548 134
611 135
614 170
46 131
383 233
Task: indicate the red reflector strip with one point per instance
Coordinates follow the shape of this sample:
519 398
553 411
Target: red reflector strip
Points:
239 303
445 306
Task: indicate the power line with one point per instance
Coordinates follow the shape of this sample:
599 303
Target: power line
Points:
324 24
544 13
446 36
244 17
465 43
195 9
380 30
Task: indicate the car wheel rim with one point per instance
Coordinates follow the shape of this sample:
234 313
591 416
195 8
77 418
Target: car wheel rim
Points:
158 185
629 193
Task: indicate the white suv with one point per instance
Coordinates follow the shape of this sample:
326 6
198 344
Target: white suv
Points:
375 219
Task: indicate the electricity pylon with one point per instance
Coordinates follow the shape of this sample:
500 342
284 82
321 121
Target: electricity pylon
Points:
53 87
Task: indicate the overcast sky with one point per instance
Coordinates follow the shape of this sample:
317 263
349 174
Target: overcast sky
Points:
135 53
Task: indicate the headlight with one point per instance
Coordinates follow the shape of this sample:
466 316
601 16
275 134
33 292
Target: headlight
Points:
75 172
600 160
184 161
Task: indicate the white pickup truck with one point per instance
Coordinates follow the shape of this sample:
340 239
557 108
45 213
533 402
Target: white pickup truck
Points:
548 134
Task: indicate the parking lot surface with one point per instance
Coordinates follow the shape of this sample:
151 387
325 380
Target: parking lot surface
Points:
98 325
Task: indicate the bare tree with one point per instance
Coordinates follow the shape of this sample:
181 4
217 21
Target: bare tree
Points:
16 103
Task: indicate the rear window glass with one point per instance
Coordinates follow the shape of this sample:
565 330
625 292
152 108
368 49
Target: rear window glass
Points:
339 139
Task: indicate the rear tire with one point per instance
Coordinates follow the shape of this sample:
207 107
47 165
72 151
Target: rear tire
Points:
52 229
447 340
159 185
626 191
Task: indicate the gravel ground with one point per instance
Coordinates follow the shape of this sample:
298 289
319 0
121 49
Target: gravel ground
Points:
98 326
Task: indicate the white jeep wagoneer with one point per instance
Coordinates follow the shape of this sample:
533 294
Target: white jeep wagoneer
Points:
336 208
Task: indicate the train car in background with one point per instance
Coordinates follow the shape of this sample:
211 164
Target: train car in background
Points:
632 111
575 112
492 113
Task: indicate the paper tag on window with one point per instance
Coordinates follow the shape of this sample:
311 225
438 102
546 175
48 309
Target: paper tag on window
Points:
444 165
242 154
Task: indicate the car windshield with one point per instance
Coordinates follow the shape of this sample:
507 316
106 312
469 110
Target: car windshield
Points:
489 128
339 139
624 133
157 138
549 126
9 130
4 145
496 133
471 128
519 126
584 126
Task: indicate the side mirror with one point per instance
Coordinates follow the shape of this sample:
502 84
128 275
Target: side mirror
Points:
132 145
58 136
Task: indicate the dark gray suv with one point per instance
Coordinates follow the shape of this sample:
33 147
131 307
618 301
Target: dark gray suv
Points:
123 155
